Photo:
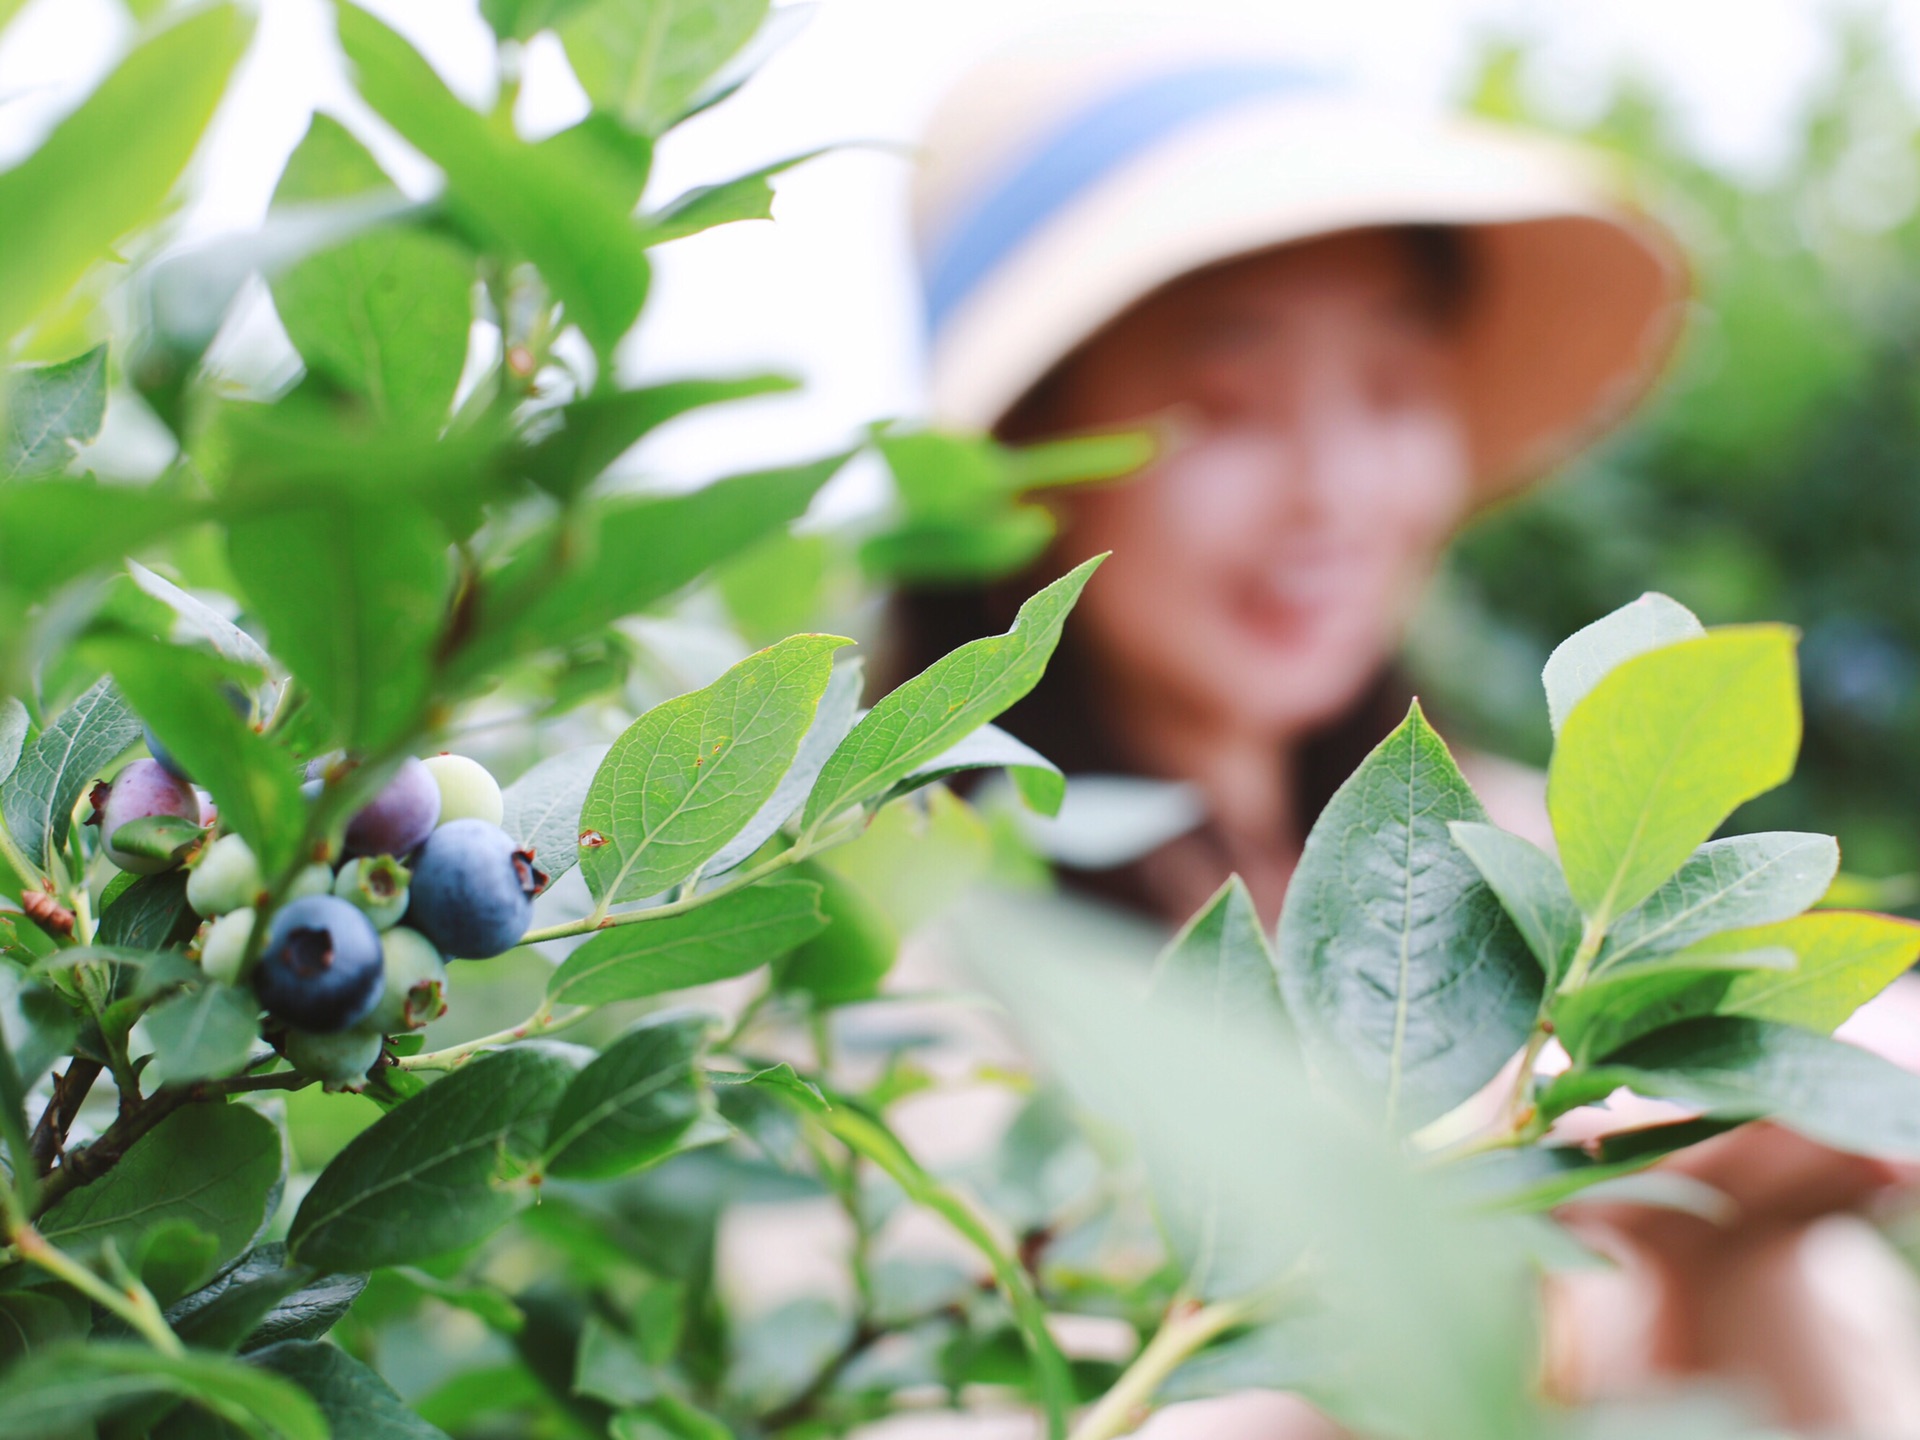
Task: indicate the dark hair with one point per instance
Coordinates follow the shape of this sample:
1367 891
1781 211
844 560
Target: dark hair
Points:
1059 718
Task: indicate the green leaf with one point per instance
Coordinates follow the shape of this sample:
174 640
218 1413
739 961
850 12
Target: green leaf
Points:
1079 460
158 837
1037 778
150 914
1531 889
1740 1069
358 1404
644 61
51 411
1221 956
745 197
106 169
948 551
839 707
1584 658
847 961
1661 751
1844 959
419 1181
228 640
542 808
571 221
59 1391
627 555
358 618
1396 959
15 723
37 1025
730 936
204 1034
1744 880
329 164
37 799
31 1321
686 776
56 529
950 699
385 315
523 19
610 1366
1613 1010
217 1166
633 1105
597 430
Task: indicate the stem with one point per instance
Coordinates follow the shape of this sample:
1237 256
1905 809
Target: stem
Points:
600 920
1583 958
69 1093
542 1022
135 1304
1188 1329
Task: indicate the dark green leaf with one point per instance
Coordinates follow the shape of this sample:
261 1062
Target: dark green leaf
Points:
357 618
107 167
633 1106
1396 960
203 1034
158 837
1583 659
645 61
358 1404
33 1320
729 936
217 1166
1530 887
686 776
37 799
848 960
151 914
542 807
309 1312
37 1025
949 700
420 1180
51 410
59 1391
173 1258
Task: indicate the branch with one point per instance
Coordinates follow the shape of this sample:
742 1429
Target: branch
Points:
1188 1329
69 1093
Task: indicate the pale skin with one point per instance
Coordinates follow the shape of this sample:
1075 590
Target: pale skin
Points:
1263 573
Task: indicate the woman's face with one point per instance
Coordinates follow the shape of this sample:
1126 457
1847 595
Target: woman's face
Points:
1264 567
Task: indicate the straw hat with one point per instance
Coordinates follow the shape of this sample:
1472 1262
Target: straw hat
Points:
1057 187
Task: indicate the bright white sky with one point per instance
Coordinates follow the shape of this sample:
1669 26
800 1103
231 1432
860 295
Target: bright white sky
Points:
825 291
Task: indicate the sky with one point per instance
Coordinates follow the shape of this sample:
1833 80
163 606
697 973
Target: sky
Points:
826 291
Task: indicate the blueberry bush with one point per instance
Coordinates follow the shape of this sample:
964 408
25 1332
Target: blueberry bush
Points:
278 1163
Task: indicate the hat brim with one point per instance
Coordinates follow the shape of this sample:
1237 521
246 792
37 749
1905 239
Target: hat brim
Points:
1576 298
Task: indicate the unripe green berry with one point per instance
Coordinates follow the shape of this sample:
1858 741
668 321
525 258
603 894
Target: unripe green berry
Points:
416 976
467 791
377 886
314 880
225 945
339 1061
225 877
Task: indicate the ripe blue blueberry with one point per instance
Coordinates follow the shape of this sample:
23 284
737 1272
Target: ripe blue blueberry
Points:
400 816
339 1060
473 889
142 788
321 969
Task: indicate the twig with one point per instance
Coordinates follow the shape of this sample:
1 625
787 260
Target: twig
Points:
69 1093
1188 1329
542 1022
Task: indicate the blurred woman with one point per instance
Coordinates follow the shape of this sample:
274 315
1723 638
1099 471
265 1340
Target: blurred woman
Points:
1353 328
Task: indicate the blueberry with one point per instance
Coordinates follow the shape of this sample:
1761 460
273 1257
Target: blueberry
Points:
416 983
400 816
142 788
473 889
225 877
339 1059
376 886
312 880
321 969
467 791
224 946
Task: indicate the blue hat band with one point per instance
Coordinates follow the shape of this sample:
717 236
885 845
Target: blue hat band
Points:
1078 154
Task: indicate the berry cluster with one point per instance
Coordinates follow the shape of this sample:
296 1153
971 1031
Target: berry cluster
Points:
354 953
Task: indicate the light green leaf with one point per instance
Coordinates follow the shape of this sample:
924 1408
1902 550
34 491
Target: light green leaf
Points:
848 960
730 936
1037 778
1530 887
610 1366
158 837
542 808
1743 880
746 197
51 410
1845 958
644 61
1740 1069
217 1166
358 618
633 1106
1661 751
106 169
523 19
14 725
228 640
55 529
358 1404
204 1034
1397 961
419 1180
60 1390
570 220
1612 1010
1221 957
1584 658
1079 459
37 799
329 164
943 704
686 776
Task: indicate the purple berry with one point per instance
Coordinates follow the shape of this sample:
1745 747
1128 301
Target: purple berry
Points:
321 969
142 788
399 817
473 889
